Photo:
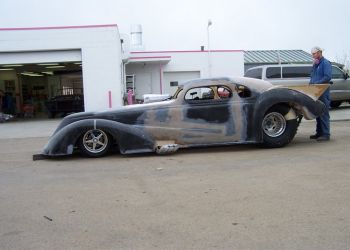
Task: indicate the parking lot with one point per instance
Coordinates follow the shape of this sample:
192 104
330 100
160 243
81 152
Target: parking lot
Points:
237 197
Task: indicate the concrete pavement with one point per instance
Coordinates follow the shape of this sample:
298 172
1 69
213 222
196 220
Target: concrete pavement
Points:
238 197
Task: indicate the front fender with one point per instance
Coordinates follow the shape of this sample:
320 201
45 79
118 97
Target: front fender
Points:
129 138
282 95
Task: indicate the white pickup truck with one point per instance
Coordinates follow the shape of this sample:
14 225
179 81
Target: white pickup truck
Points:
299 74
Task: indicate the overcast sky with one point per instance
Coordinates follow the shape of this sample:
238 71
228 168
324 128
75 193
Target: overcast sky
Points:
182 24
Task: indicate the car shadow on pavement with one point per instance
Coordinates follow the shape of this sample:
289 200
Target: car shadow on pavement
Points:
253 148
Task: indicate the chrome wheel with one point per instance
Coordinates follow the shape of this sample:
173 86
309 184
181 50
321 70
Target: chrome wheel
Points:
274 124
95 141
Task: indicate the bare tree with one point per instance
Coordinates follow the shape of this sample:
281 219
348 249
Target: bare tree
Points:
344 60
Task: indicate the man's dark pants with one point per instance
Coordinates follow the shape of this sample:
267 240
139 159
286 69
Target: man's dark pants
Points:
323 125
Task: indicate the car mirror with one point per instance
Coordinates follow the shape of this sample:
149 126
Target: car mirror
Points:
346 76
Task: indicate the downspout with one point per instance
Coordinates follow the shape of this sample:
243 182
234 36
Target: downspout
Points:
161 78
124 77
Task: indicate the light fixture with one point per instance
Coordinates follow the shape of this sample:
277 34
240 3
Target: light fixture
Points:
78 63
48 73
55 67
47 64
30 74
12 65
5 69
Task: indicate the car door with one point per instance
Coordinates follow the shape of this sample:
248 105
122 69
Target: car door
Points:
211 115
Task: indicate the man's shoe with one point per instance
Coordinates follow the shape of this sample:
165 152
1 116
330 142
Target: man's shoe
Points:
323 138
314 137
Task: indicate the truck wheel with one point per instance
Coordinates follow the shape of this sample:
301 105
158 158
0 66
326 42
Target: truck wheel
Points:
277 131
335 104
94 143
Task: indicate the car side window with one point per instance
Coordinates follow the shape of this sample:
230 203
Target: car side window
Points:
243 91
273 72
337 73
296 72
224 92
200 93
254 73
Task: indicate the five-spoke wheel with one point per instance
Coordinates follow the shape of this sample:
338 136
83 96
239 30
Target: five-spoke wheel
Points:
94 143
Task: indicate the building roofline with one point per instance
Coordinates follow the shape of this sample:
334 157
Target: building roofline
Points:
151 57
185 51
61 27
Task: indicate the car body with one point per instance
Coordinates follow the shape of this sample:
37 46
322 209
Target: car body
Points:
203 112
64 104
5 117
299 74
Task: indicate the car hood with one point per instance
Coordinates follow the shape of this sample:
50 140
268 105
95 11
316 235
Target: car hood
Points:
124 114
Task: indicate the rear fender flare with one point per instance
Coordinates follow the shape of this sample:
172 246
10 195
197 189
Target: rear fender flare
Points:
282 96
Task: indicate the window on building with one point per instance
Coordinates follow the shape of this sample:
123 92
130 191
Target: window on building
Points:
254 73
337 73
296 72
273 72
174 84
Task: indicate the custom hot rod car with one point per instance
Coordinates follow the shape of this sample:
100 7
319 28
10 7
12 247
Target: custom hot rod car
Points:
202 112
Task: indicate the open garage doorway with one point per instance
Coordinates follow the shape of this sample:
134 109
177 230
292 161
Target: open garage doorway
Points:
41 90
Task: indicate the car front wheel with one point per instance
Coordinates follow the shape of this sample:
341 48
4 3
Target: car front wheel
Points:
277 131
94 143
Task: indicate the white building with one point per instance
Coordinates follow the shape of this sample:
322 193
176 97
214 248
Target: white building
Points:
161 71
37 63
26 53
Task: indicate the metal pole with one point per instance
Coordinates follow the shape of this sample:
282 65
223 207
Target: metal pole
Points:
209 52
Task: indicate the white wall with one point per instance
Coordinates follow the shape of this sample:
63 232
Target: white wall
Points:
177 76
184 64
144 73
100 55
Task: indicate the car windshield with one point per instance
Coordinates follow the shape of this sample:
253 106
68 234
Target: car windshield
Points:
179 89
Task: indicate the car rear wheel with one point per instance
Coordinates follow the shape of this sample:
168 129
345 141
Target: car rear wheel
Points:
94 143
277 131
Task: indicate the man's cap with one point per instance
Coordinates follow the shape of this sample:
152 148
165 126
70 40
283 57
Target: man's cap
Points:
316 49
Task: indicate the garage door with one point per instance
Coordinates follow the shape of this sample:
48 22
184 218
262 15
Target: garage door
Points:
40 56
173 79
143 83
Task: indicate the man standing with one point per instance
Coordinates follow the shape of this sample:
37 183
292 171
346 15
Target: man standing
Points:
321 73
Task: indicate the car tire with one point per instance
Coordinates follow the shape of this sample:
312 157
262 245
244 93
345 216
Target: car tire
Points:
277 131
335 104
94 143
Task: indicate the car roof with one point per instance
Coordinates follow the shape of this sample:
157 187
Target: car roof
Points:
254 84
280 65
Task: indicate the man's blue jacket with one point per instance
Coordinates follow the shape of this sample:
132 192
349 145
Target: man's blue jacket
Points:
322 72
